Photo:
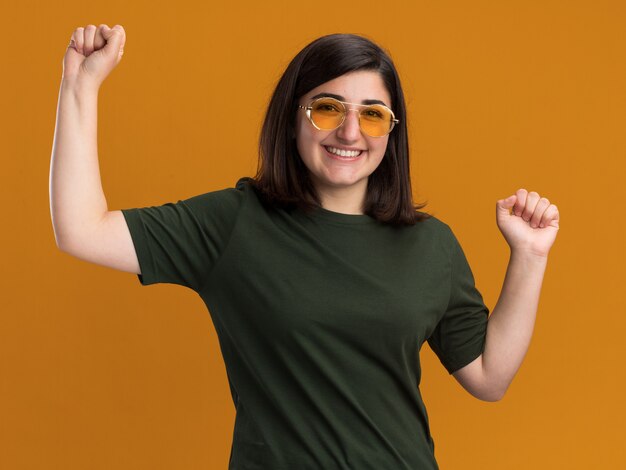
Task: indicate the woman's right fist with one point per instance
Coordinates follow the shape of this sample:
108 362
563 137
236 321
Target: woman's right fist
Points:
93 53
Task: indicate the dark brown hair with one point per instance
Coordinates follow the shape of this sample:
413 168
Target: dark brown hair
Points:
282 179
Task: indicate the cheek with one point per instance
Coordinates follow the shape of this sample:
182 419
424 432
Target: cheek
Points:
304 143
379 147
299 135
302 133
307 137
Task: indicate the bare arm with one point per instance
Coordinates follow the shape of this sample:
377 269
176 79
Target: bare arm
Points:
82 223
509 330
530 230
77 201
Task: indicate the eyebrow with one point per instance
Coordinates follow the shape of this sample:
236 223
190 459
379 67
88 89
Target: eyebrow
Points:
341 98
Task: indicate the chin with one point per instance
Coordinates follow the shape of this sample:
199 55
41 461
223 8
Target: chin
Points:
338 183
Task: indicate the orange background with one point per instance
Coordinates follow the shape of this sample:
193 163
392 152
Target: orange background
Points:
97 372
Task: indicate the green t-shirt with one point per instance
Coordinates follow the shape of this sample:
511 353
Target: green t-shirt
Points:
320 319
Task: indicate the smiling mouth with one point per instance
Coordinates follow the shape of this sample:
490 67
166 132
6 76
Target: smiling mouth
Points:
343 153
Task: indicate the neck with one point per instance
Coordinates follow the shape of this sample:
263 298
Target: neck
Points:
343 200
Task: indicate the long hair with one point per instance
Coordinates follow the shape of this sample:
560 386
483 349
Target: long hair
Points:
282 179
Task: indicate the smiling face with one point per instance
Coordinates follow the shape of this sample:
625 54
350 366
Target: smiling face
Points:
344 177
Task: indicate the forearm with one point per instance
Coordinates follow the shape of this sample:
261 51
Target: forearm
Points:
512 320
77 200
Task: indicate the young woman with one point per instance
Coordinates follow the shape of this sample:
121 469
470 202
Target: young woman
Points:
322 277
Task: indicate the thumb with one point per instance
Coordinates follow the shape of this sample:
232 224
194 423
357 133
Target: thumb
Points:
115 38
503 206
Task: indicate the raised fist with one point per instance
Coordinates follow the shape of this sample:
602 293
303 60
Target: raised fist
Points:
93 53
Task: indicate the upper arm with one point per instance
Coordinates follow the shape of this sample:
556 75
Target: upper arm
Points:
459 336
108 244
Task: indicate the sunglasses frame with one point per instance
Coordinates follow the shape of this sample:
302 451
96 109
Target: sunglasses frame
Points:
309 108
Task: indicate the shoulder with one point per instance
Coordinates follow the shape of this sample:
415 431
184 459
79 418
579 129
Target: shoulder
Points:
439 234
222 205
435 226
226 198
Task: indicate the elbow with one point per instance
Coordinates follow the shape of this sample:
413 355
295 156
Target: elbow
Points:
59 237
492 395
58 242
65 239
61 244
478 383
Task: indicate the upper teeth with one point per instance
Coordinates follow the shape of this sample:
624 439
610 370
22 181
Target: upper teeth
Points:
344 153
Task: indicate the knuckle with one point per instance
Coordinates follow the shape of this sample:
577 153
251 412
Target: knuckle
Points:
544 200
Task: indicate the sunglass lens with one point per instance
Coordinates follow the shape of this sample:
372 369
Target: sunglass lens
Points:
375 120
327 113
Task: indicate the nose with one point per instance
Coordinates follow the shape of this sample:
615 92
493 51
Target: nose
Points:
350 131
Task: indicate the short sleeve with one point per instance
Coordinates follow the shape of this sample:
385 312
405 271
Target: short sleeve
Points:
179 243
459 337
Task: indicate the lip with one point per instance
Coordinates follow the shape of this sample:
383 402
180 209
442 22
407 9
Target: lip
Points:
343 159
341 147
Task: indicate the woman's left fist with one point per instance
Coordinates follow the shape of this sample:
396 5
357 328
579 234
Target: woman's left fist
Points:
528 222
